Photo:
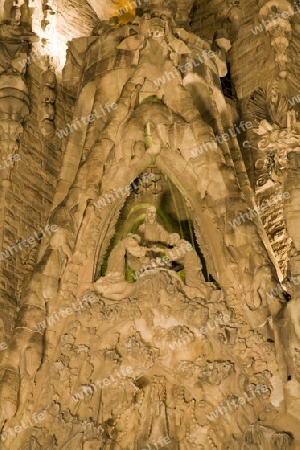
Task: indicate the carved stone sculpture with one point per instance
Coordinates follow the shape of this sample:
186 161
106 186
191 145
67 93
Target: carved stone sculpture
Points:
148 354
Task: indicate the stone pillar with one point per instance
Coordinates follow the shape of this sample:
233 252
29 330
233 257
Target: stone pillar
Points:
15 40
275 15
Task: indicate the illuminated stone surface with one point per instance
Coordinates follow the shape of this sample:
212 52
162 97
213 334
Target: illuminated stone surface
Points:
149 225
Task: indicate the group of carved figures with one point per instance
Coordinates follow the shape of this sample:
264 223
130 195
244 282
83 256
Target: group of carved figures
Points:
155 240
134 135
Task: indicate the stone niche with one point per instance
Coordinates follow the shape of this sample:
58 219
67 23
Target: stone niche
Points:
148 320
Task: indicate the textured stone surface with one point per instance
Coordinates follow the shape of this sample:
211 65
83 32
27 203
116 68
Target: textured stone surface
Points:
146 310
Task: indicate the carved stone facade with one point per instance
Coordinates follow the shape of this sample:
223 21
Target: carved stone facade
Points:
150 237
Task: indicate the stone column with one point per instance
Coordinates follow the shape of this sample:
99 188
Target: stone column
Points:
275 16
15 40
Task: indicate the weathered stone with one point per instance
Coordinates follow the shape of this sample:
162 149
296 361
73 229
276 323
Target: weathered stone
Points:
148 308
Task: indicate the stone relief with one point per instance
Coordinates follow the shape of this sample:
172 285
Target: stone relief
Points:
114 285
49 97
132 369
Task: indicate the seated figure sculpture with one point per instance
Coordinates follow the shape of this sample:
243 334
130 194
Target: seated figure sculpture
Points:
114 285
185 254
151 230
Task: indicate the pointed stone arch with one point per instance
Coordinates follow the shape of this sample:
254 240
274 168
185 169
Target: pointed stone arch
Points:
182 174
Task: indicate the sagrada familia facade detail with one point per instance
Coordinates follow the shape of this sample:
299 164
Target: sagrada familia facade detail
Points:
150 238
